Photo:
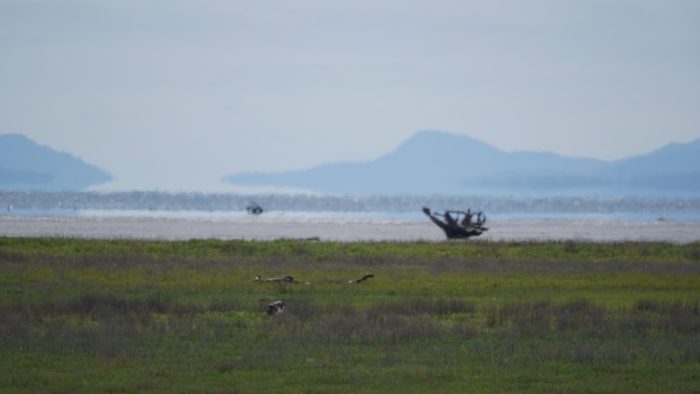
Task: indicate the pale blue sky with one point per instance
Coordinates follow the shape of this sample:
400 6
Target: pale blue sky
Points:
174 94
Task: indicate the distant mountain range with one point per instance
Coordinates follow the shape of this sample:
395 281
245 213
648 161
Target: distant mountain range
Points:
26 165
433 162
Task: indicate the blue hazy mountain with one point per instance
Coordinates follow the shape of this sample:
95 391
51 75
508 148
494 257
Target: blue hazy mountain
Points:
675 167
26 165
433 162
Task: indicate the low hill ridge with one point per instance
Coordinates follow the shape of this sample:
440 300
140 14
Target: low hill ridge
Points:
26 165
435 162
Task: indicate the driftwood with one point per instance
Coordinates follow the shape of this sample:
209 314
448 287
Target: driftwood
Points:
281 279
363 278
290 279
277 307
470 224
307 239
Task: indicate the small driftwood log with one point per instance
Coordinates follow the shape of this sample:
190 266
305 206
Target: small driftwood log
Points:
281 279
363 278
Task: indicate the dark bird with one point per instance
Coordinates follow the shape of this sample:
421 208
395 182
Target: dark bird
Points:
275 308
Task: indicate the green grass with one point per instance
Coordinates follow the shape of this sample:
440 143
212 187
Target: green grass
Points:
134 316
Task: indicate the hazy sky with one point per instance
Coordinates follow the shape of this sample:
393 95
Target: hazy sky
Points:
175 94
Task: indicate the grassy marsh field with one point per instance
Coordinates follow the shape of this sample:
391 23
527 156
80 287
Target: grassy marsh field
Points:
126 316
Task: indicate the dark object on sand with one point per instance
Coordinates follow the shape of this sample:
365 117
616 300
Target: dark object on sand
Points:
254 209
309 239
458 224
275 308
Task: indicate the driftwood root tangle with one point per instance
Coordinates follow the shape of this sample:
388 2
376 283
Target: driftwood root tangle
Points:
454 227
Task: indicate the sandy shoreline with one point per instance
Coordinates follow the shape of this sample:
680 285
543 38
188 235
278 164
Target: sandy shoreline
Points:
337 230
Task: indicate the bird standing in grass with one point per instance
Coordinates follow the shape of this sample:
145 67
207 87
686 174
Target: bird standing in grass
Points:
275 308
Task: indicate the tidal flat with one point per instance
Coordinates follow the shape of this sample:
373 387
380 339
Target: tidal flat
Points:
81 315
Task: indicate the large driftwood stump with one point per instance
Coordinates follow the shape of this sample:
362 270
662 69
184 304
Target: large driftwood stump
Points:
458 224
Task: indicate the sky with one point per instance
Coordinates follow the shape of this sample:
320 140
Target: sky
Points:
174 94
